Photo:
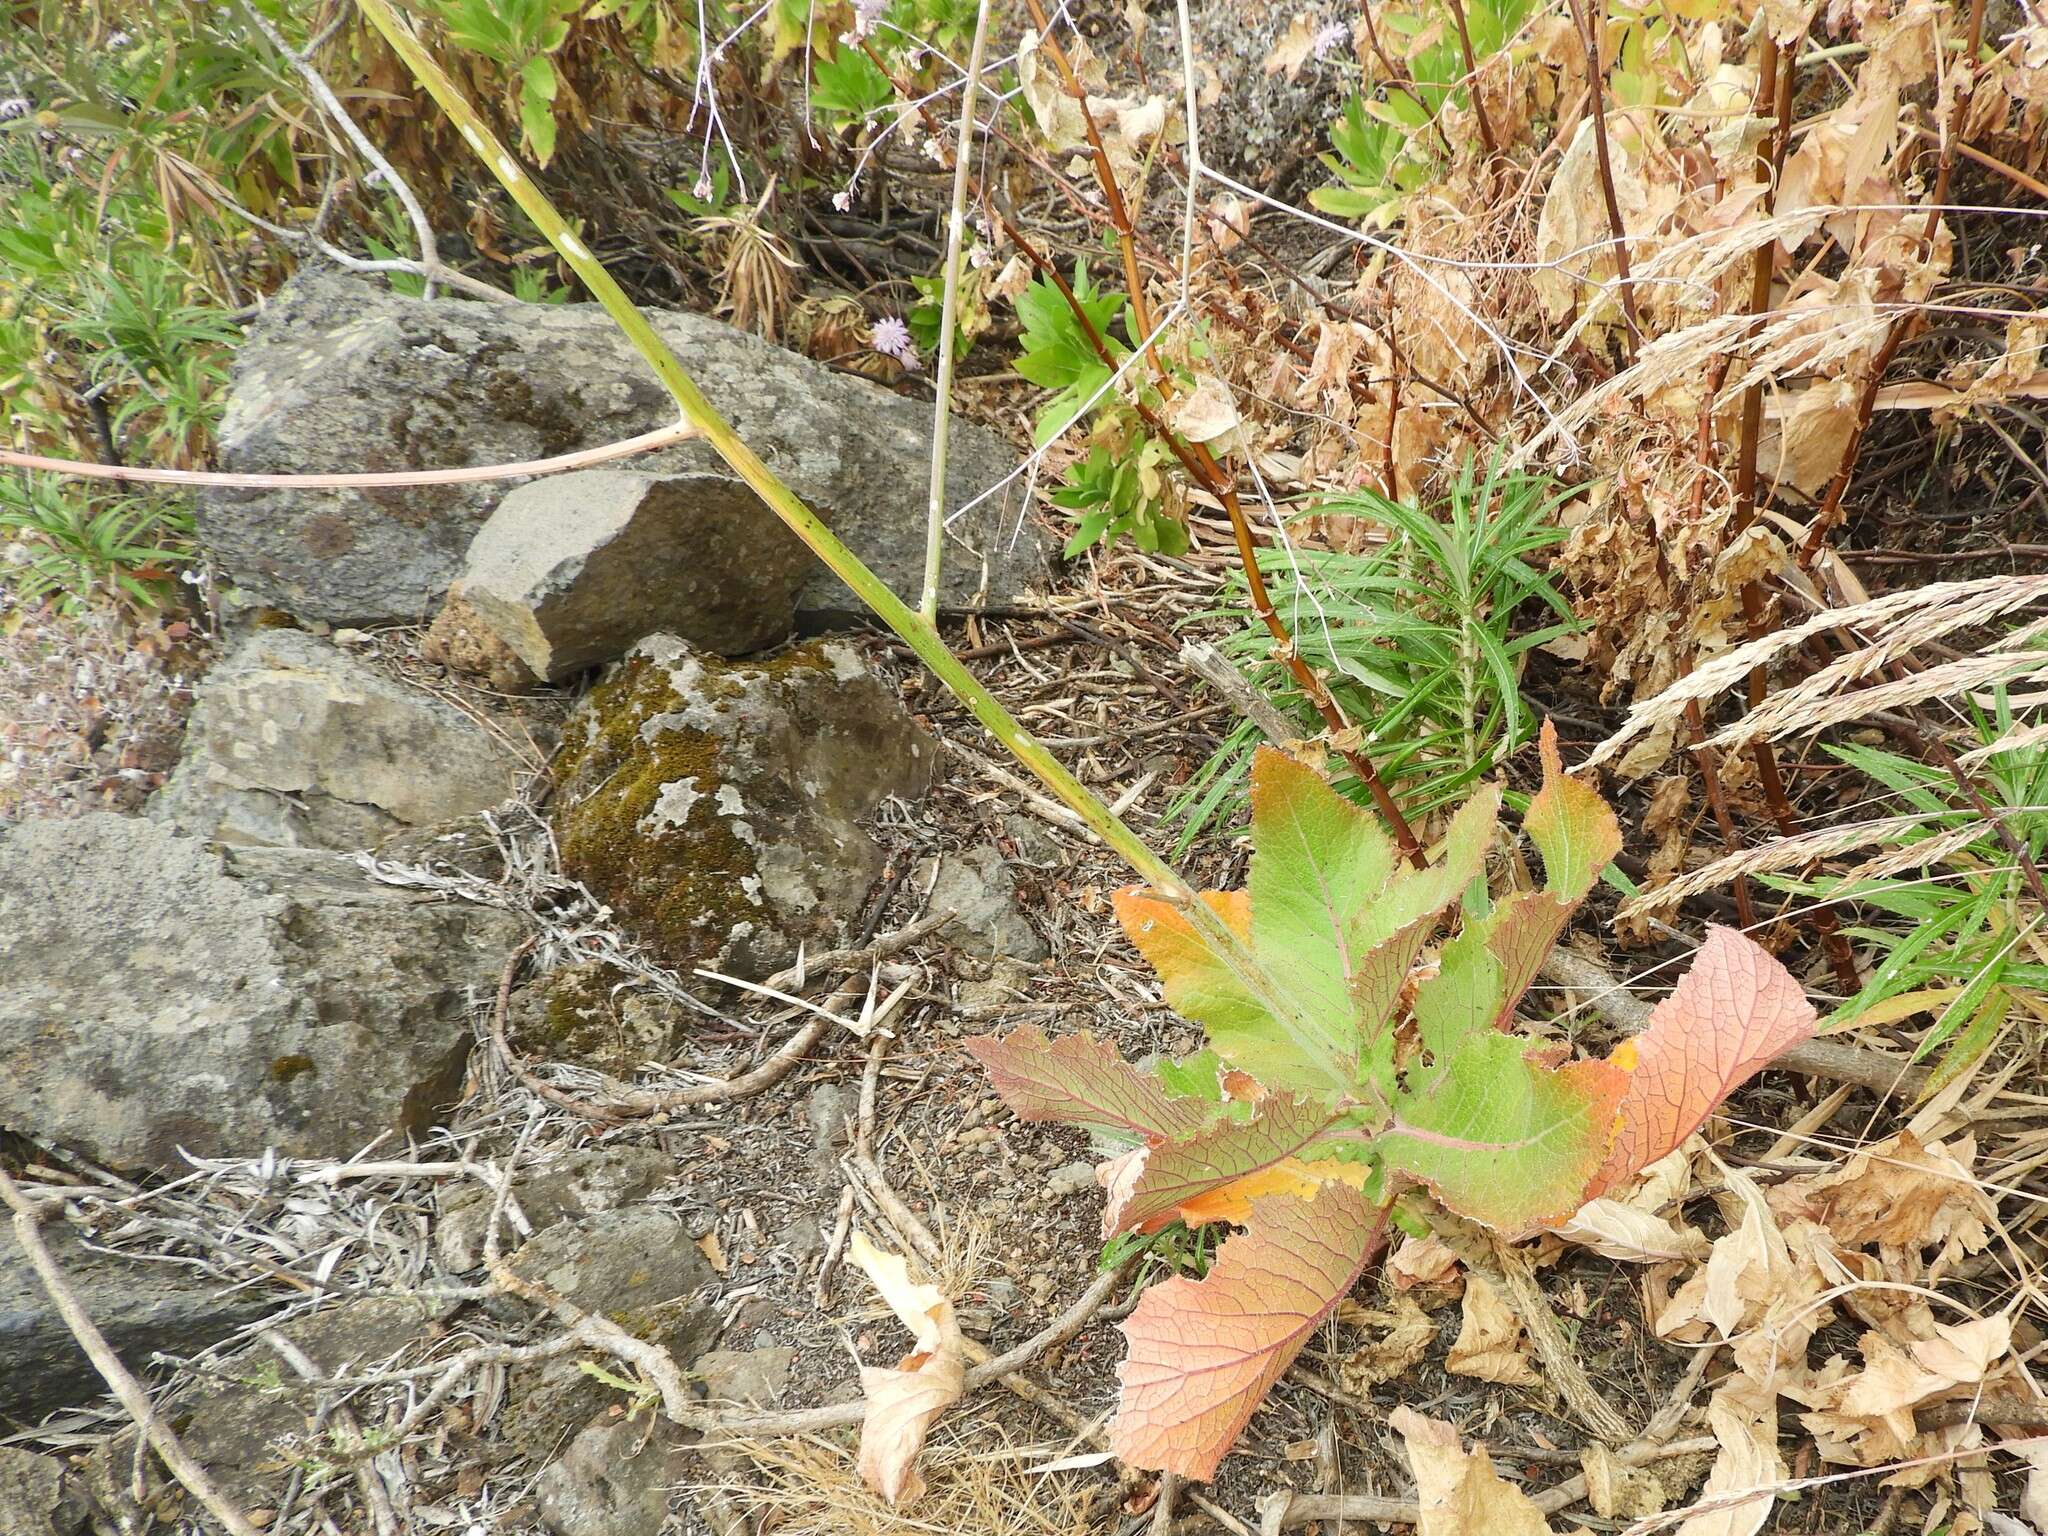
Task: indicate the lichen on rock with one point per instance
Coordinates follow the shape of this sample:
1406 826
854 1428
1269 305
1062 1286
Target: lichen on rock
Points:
715 805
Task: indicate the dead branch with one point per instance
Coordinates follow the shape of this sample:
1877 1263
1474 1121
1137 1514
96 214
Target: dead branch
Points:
28 1219
626 1103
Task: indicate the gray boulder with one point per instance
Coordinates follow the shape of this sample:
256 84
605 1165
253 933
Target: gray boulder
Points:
295 743
570 571
340 374
250 1423
39 1496
142 1306
637 1267
157 994
753 1378
614 1479
716 806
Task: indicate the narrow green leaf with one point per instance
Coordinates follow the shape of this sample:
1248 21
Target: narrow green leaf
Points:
1572 827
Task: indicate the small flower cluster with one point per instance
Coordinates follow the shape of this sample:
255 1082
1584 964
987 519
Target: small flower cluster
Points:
891 338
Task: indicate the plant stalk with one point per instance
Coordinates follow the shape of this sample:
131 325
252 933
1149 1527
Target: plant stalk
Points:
922 638
942 415
1195 458
1486 139
1596 85
1829 512
1774 85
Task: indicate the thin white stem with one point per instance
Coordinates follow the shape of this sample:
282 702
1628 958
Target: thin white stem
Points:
423 230
646 442
942 415
434 271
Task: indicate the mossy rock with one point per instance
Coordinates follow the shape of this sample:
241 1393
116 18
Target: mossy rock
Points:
588 1014
715 806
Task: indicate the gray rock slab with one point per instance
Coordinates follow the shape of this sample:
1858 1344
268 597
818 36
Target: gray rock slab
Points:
295 743
572 570
157 994
977 883
583 1183
142 1306
39 1496
340 374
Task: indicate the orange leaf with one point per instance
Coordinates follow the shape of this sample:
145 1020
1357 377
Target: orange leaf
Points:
1233 1202
1205 1352
1729 1016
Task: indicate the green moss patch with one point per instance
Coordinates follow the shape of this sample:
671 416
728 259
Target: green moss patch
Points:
679 883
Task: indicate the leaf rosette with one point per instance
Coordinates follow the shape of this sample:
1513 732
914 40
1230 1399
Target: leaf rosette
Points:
1348 1064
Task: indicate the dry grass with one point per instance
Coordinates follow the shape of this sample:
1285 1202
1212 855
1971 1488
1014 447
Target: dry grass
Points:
980 1478
92 708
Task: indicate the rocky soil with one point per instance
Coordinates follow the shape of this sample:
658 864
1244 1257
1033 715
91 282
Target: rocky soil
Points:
336 1040
565 958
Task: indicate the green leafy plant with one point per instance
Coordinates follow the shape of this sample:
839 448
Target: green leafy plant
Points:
1382 145
970 310
67 546
847 87
1972 952
1344 1074
519 36
1416 637
1379 156
1120 487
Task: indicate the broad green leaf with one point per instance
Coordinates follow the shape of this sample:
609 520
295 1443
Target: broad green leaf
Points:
1734 1010
1204 1353
1199 983
1571 826
1318 862
1199 1076
1414 894
1376 988
539 78
1281 1129
1082 1081
1463 998
1253 1019
1519 934
1501 1137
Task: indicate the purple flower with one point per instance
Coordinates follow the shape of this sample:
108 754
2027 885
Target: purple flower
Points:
865 14
891 338
13 107
1328 39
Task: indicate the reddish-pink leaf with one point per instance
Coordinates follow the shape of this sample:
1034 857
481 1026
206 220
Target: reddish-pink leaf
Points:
1521 933
1730 1014
1282 1128
1205 1352
1082 1081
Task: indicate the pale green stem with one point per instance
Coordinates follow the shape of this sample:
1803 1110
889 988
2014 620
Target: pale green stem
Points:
922 638
942 418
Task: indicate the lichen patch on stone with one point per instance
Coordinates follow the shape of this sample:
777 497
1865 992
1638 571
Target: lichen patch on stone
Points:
672 805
